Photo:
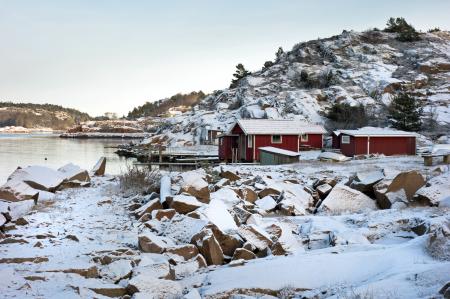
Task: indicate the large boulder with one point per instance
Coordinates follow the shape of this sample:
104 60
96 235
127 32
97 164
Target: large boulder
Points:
147 286
99 167
364 181
228 241
438 245
268 191
72 172
410 181
165 213
149 207
218 214
17 190
399 191
345 199
242 253
256 237
229 175
209 247
266 203
247 194
323 190
436 192
184 204
194 183
38 177
187 251
149 242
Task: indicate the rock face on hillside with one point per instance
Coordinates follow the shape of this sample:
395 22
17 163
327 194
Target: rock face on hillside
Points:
365 68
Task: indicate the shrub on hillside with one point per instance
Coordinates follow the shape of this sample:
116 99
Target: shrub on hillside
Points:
405 31
345 116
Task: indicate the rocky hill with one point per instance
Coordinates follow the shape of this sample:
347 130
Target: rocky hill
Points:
358 68
29 115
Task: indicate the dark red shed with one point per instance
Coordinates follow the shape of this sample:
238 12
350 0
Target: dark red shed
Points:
370 140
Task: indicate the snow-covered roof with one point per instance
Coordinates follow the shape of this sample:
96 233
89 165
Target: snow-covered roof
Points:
377 132
280 151
276 126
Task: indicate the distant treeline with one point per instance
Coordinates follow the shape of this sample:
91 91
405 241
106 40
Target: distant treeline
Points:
162 106
30 115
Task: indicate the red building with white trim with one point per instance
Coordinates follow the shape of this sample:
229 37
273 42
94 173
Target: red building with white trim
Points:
370 140
242 141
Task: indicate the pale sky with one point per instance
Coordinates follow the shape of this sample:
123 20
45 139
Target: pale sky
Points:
111 55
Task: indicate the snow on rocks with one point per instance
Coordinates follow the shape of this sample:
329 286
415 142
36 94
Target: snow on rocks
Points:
345 199
436 192
184 204
194 183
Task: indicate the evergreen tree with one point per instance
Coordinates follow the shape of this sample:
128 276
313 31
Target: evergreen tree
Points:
405 113
240 73
279 52
406 32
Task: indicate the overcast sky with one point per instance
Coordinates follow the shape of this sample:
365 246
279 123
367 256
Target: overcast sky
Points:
108 55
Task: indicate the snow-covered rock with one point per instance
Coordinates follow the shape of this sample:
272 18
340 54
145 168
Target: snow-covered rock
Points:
343 199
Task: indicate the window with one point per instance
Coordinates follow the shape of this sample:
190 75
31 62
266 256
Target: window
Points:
276 139
249 141
345 139
221 141
304 138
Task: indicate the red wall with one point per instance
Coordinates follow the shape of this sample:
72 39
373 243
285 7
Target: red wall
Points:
314 140
380 145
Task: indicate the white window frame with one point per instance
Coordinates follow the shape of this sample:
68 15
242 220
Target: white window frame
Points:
249 141
345 140
277 142
302 139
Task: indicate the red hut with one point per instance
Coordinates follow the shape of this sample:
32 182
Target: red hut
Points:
370 140
246 136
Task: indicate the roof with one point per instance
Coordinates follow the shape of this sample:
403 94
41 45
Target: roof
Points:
279 151
281 127
377 132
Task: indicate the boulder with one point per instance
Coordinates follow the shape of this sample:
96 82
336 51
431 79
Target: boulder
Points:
335 157
155 266
240 214
257 238
229 175
436 192
17 190
184 204
438 245
187 251
117 270
345 199
324 190
72 172
209 247
149 207
165 213
38 177
153 288
268 191
110 290
247 194
217 213
266 203
195 184
100 167
149 242
410 181
242 253
364 181
228 242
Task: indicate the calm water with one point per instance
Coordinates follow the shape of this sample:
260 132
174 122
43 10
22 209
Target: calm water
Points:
23 150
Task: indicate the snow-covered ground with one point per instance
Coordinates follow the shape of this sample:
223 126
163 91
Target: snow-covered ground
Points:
94 242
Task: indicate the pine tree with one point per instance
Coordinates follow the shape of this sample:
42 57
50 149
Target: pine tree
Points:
240 73
405 113
279 52
406 32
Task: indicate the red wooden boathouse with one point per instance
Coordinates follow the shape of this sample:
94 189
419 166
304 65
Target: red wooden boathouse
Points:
371 140
246 136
